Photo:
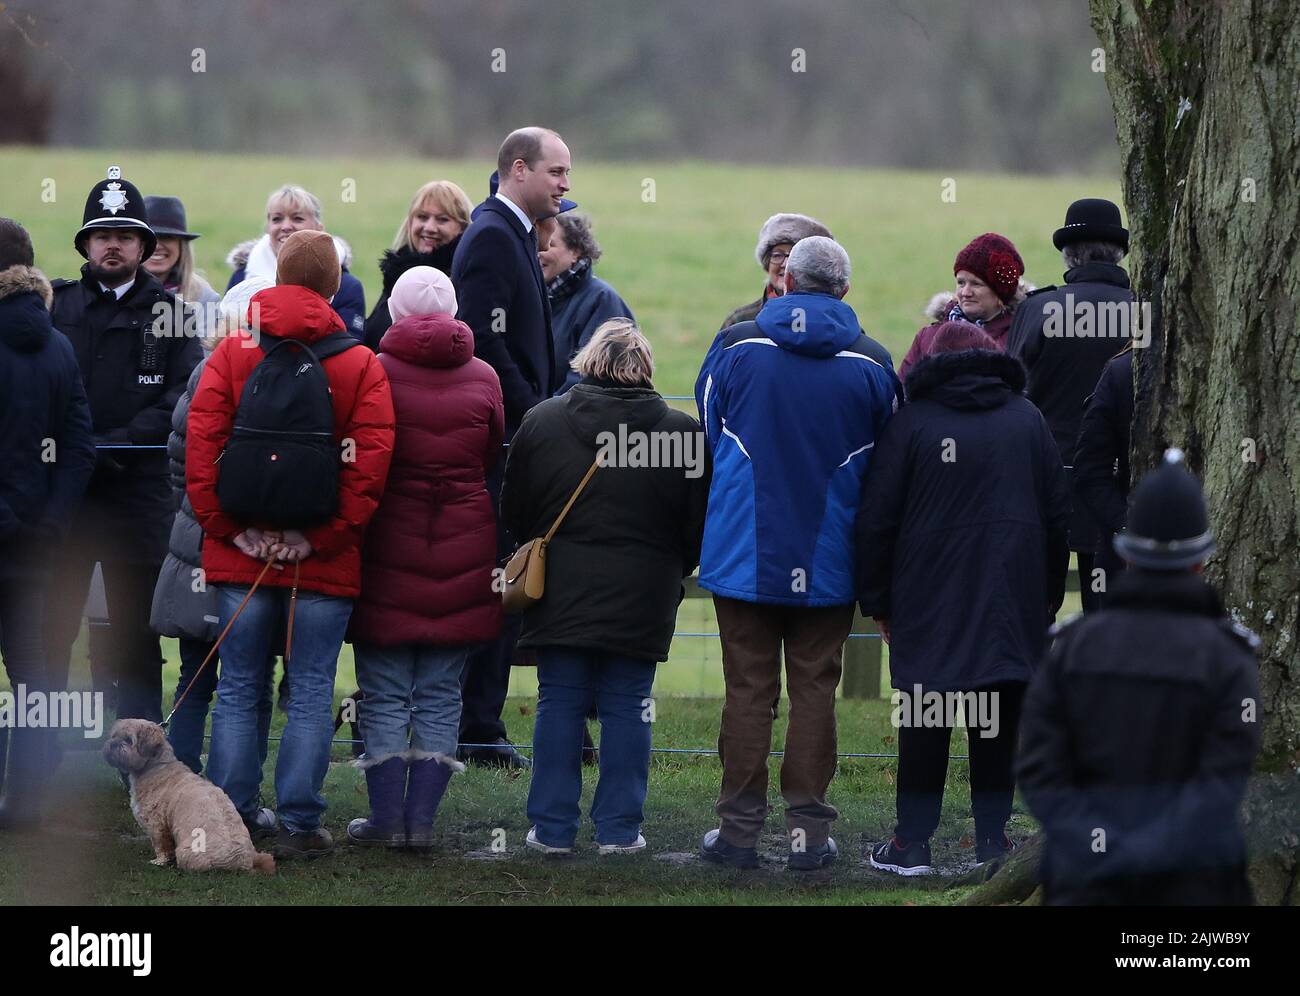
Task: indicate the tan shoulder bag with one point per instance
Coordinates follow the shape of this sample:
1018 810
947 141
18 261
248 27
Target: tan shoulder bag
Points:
525 575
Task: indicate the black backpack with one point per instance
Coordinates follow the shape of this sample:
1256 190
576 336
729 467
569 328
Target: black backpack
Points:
280 467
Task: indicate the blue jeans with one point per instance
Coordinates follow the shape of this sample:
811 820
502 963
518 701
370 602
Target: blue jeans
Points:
569 681
411 698
233 760
186 729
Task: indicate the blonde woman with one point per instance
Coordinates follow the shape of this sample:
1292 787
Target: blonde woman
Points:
428 236
172 261
292 209
614 575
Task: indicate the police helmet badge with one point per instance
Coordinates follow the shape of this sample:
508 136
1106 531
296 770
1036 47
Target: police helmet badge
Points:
113 198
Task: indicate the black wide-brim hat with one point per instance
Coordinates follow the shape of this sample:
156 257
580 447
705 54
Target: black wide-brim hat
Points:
1092 219
166 216
115 203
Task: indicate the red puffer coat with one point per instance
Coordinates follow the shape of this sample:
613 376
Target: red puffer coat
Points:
426 569
363 412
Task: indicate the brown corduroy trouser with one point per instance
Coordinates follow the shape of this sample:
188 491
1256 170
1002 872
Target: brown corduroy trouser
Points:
752 637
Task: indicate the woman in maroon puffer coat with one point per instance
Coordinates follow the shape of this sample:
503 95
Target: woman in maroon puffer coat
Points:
426 572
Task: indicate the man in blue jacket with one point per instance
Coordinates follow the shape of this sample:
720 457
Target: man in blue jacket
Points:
792 403
47 454
502 298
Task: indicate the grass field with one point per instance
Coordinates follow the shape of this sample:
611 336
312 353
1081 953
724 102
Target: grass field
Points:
682 261
92 851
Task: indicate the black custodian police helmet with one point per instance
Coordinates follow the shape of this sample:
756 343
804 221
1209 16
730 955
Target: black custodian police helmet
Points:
115 203
1168 522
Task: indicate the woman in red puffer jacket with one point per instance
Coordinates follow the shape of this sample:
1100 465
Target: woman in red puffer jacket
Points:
426 575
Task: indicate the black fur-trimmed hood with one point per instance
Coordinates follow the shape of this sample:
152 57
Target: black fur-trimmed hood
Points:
25 280
25 297
970 379
395 262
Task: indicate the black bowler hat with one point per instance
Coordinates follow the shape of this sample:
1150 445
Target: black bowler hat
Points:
115 203
1091 220
166 216
1168 524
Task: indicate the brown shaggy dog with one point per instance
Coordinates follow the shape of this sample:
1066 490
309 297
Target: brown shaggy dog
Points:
188 819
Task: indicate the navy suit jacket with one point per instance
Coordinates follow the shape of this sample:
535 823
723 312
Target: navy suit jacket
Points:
502 297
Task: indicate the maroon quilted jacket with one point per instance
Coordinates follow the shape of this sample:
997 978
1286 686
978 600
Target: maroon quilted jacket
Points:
426 567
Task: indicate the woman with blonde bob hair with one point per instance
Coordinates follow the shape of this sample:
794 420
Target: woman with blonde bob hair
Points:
614 573
290 209
428 236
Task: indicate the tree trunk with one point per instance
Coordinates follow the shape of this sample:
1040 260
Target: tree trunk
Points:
1207 100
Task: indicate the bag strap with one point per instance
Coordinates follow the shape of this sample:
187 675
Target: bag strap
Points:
572 498
322 349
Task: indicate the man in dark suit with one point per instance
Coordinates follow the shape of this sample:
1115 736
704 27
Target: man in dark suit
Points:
502 298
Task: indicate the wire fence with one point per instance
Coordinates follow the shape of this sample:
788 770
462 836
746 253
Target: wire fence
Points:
693 751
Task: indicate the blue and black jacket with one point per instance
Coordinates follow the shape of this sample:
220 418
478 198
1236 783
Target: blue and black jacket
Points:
792 404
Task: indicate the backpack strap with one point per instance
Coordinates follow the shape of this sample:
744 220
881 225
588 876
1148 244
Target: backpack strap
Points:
321 349
333 344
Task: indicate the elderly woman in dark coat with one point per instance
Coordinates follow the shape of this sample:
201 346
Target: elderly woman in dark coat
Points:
580 301
962 540
614 575
775 240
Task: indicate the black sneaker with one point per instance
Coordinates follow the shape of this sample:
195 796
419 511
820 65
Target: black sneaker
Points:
717 850
817 858
993 849
309 844
902 858
262 825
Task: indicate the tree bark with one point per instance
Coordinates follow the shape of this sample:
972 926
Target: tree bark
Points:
1207 112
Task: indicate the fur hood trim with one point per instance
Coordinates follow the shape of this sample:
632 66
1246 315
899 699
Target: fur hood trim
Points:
939 368
24 280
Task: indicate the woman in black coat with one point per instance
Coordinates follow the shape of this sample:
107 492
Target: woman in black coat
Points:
428 236
1101 474
962 540
614 575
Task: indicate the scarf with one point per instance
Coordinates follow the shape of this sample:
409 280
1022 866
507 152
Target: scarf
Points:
563 285
955 314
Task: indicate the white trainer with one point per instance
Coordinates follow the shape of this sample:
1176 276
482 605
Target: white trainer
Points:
532 841
632 848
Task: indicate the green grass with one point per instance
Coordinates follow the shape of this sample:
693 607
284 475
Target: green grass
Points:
93 851
682 261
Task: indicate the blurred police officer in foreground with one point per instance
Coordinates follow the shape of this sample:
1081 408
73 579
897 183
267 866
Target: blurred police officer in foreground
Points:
1140 729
